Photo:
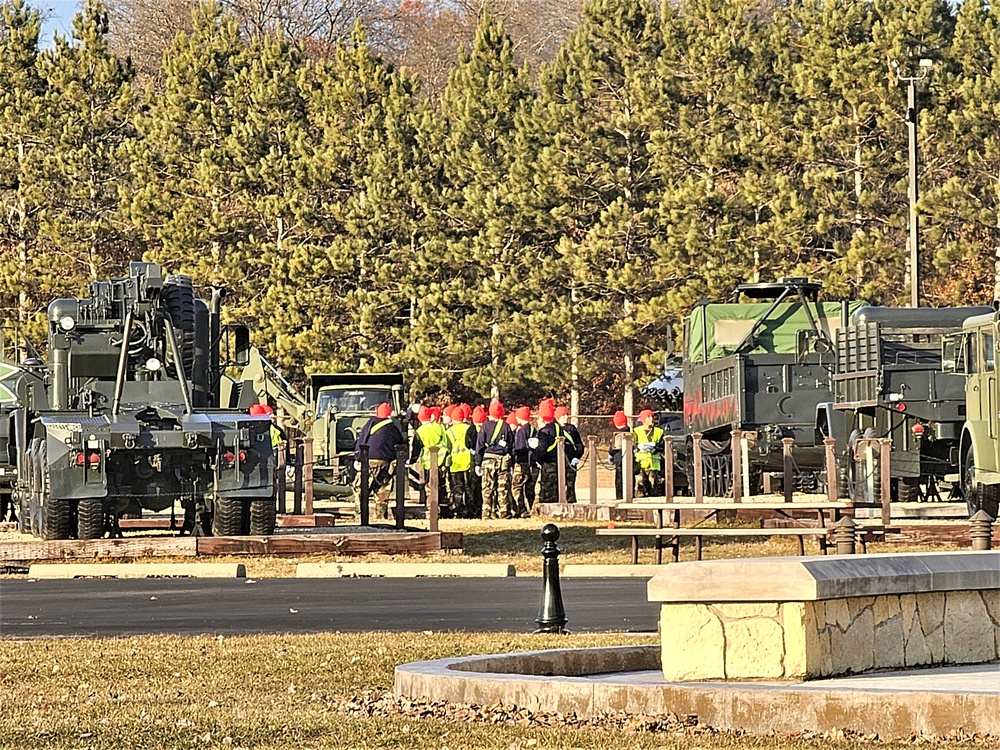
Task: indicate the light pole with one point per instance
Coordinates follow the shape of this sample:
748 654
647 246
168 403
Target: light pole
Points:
924 66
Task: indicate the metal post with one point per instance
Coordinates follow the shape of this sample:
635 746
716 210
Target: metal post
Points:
299 468
592 467
282 463
561 468
432 489
832 488
981 530
628 478
365 482
307 475
844 533
699 480
736 445
911 131
668 468
885 448
551 614
788 480
401 487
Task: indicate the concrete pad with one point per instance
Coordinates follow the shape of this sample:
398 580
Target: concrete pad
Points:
610 571
403 570
942 701
137 570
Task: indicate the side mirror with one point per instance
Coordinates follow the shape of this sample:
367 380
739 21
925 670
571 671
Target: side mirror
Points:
241 345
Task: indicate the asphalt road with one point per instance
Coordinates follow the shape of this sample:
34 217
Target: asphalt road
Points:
111 607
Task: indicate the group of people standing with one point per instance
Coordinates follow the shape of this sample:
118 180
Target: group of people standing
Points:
491 463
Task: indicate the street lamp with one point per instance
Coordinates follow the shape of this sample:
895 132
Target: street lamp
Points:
924 67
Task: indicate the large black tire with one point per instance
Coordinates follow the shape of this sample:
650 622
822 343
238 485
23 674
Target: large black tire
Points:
263 516
55 512
908 489
90 518
227 520
979 496
179 303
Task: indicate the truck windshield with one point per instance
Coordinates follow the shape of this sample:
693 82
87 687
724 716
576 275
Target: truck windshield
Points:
341 400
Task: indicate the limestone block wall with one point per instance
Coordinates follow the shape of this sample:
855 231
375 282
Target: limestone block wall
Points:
826 618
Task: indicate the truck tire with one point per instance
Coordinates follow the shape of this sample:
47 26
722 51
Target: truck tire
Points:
263 516
179 303
908 489
227 520
979 496
90 518
55 512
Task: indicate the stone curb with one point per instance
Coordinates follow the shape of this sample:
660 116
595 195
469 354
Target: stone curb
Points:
45 571
611 571
404 570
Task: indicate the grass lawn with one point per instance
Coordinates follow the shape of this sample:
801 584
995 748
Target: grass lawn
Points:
303 691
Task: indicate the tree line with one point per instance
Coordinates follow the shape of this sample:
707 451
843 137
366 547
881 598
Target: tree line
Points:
530 230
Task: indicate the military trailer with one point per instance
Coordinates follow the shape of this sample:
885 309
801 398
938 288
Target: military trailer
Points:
888 383
761 366
333 412
124 417
972 354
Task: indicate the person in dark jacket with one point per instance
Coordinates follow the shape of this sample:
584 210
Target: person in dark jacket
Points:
620 423
545 455
521 473
574 450
382 436
493 451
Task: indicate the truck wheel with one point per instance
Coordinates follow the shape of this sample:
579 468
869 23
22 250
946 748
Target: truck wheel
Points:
55 512
979 496
227 520
90 518
179 302
908 489
263 516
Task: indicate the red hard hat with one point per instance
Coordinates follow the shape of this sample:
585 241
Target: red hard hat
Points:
646 414
524 413
547 410
424 414
449 410
257 410
561 411
496 410
435 412
512 419
478 415
383 411
619 419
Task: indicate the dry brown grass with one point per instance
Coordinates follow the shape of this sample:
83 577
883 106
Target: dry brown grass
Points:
282 692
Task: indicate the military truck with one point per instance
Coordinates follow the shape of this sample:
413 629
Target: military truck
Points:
124 417
972 354
763 366
888 383
333 411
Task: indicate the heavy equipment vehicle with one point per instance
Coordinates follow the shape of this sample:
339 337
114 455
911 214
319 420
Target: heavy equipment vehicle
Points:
972 354
332 412
888 383
761 366
124 416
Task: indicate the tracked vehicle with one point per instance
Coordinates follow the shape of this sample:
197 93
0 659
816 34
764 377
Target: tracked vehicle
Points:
124 417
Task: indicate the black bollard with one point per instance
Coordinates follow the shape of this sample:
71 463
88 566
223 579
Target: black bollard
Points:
364 488
551 614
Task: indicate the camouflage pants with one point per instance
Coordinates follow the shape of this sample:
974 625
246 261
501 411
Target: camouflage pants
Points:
380 481
570 484
460 486
495 485
519 479
650 482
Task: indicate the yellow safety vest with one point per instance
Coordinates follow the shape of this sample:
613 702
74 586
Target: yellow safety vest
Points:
648 461
433 434
461 456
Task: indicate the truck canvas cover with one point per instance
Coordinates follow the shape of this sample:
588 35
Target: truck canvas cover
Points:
726 325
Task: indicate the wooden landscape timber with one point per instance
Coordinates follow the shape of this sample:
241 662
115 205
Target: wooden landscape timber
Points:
388 543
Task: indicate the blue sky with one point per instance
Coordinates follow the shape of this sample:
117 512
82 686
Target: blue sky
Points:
59 17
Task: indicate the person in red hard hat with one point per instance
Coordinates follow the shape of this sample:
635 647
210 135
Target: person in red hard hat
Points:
620 422
429 434
461 471
648 454
546 454
493 450
574 450
382 436
523 473
478 419
277 434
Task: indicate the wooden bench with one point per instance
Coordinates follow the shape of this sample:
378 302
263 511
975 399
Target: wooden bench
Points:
674 535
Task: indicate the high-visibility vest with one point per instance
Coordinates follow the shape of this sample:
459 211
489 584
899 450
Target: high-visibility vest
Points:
433 434
647 460
461 455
